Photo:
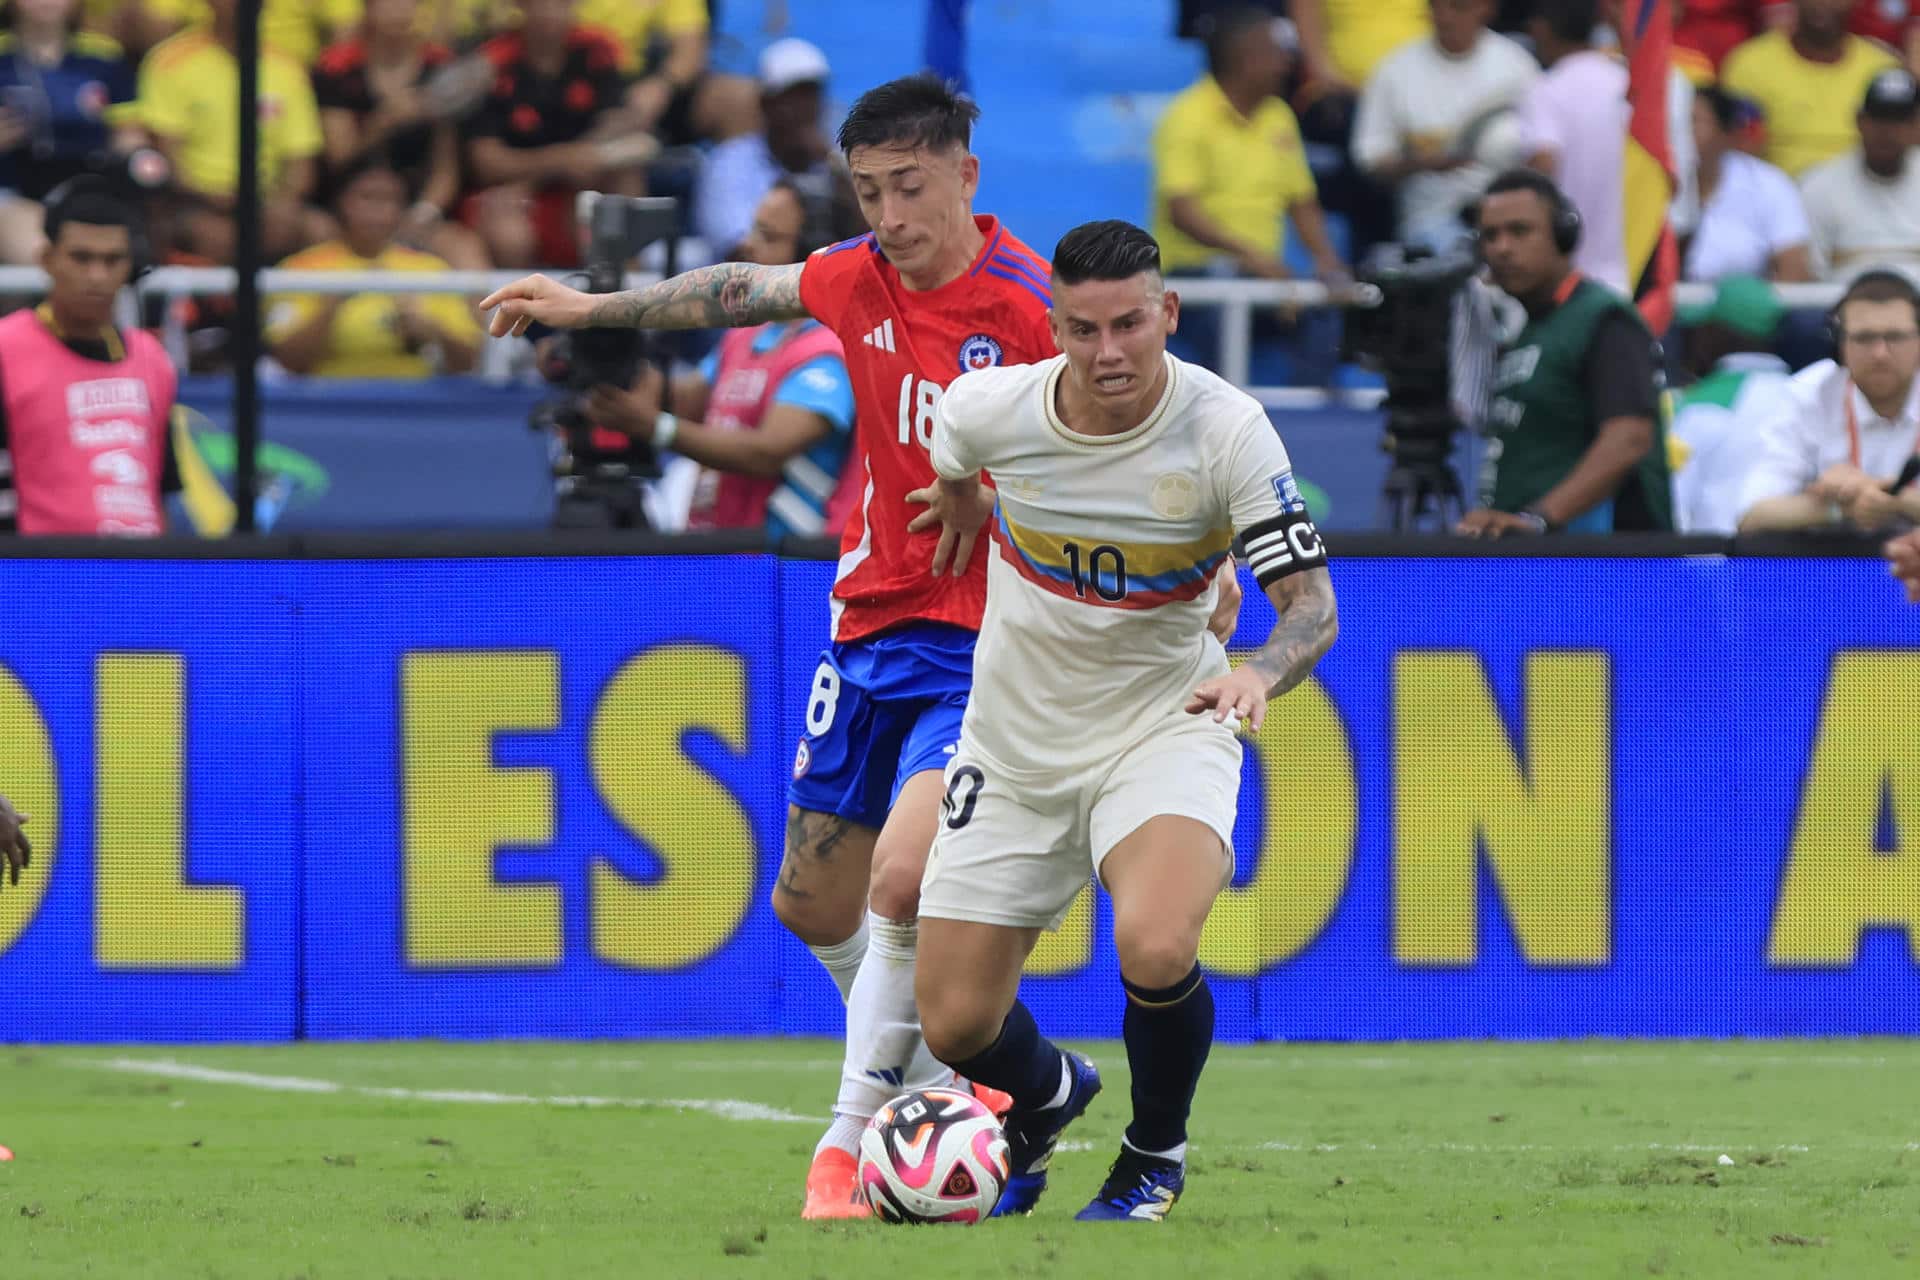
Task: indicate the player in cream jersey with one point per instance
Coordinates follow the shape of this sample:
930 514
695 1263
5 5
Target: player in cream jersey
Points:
1106 560
1099 736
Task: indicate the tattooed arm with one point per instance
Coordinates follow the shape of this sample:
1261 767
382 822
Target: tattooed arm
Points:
729 295
1304 631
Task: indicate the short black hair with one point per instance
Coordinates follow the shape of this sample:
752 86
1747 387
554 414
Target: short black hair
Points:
1880 284
375 161
828 213
1524 179
917 111
1226 35
1572 20
91 201
1107 250
1730 111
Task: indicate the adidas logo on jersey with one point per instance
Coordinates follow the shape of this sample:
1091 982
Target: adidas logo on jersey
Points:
881 337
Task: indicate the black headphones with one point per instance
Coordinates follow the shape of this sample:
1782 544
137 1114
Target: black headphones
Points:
1563 220
92 184
1898 281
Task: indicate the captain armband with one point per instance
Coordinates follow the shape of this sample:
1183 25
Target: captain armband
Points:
1288 543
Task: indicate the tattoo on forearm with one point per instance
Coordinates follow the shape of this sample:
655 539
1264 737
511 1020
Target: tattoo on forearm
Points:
729 295
1305 631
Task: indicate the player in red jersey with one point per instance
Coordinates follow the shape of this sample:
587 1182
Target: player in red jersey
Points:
934 291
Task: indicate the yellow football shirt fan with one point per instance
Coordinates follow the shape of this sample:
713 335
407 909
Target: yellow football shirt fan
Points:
297 28
190 92
636 24
1810 106
365 332
1245 172
1360 33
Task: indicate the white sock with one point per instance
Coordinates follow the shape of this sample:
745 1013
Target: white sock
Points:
1175 1154
885 1055
842 960
843 1133
1066 1086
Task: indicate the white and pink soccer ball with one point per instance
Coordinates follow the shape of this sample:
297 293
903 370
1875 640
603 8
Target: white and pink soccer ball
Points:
937 1155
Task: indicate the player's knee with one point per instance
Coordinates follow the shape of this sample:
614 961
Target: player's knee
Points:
816 921
955 1020
1153 957
895 891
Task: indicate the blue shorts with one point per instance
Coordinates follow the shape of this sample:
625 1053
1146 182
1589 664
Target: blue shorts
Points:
880 710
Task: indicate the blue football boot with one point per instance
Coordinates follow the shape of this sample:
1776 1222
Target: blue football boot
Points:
1032 1135
1138 1189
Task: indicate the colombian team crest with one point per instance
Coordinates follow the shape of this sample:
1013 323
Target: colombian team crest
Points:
979 352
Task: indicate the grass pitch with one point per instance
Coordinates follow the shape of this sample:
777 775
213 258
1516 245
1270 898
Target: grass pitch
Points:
685 1160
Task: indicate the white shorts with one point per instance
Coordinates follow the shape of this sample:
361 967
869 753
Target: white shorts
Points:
1017 853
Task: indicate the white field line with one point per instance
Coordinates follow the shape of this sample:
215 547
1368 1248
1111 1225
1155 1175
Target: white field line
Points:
1521 1148
725 1108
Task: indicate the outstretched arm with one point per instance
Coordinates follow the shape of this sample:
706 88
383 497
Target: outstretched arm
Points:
728 295
1305 630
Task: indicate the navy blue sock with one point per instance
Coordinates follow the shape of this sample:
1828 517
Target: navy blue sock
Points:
1020 1060
1168 1034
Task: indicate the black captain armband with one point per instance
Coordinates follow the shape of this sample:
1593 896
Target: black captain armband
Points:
1286 544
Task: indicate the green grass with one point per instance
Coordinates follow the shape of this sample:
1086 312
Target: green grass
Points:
1592 1159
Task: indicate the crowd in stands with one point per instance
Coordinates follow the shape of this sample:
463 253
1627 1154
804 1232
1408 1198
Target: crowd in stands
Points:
418 135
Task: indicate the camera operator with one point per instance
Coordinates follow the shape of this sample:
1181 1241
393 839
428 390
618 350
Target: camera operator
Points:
776 400
1842 444
1576 442
84 445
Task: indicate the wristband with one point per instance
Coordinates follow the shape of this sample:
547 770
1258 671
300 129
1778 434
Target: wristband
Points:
665 427
1538 522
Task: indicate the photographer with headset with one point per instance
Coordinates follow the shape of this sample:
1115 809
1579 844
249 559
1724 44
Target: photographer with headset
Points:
84 405
1574 420
769 415
1842 447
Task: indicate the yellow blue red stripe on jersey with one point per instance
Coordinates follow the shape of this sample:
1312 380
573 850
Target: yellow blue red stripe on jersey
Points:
1155 573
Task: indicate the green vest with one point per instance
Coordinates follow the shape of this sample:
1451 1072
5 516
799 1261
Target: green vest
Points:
1542 424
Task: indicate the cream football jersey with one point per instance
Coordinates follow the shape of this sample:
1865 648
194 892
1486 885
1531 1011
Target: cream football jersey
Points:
1105 553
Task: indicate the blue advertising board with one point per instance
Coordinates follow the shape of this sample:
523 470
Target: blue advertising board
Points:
545 796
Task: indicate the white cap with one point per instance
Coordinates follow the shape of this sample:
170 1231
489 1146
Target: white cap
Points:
789 62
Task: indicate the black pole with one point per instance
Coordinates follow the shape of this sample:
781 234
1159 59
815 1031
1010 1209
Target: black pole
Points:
245 343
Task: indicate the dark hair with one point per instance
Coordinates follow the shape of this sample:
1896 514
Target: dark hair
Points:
827 216
91 201
1109 250
1226 35
374 161
1730 111
1880 284
917 111
1571 20
1523 179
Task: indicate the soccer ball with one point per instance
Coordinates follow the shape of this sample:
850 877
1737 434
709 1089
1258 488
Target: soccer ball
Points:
937 1155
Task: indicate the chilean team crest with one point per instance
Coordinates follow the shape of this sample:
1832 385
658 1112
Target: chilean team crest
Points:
802 761
980 352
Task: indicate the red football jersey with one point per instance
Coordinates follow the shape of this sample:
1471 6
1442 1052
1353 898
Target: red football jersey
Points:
903 346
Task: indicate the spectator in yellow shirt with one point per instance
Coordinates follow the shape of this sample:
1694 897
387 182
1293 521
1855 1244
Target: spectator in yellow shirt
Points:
678 97
1809 81
371 335
189 97
1344 40
1229 167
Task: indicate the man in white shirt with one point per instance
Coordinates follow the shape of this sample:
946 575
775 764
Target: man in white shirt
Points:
1864 206
1418 102
791 144
1100 733
1839 448
1575 122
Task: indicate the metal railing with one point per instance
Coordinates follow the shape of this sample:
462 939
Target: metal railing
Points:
1236 299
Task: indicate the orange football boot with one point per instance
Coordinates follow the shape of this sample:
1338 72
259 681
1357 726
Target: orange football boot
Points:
996 1101
831 1189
